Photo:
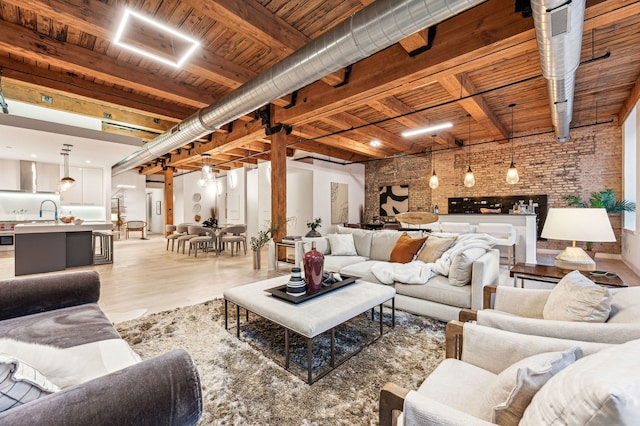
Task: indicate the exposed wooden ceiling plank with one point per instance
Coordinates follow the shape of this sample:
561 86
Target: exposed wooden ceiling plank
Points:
18 40
460 86
388 139
101 19
629 103
336 141
331 151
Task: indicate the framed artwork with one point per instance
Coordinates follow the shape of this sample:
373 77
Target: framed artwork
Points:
339 202
394 199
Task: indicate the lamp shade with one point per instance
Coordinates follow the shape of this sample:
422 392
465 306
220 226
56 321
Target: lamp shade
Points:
577 224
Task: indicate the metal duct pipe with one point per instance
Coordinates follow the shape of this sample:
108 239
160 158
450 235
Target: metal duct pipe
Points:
374 28
559 26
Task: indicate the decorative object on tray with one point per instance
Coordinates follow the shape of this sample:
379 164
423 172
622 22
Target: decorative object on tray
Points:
296 285
313 262
485 210
315 223
281 291
329 279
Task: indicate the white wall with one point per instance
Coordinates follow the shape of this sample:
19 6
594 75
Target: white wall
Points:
631 239
156 224
252 201
236 196
186 191
134 199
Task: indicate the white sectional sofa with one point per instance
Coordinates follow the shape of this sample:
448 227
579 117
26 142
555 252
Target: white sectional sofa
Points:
437 298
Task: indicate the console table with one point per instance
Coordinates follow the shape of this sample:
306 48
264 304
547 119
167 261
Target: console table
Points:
553 274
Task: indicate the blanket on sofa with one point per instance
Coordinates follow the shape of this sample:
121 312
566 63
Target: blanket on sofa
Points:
418 272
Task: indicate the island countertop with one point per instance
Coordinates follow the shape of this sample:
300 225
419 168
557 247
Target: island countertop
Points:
45 228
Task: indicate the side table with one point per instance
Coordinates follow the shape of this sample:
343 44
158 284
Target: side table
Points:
553 274
285 247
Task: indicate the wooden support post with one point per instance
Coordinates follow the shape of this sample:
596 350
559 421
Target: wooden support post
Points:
279 183
168 198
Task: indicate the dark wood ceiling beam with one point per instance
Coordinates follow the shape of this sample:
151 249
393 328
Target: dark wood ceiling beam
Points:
460 86
62 82
100 19
20 41
394 107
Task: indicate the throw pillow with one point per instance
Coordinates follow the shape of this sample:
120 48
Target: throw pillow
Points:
599 389
511 393
361 239
461 267
434 247
20 383
342 245
577 298
406 248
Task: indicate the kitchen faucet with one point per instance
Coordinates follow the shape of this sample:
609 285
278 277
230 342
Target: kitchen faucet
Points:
55 211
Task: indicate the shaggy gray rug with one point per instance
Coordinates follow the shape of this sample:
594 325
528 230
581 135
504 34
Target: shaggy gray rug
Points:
243 385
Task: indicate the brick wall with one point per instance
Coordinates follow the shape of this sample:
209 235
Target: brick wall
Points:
590 161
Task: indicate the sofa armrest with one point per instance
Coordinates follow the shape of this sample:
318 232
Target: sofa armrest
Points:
485 271
30 295
391 402
419 409
164 390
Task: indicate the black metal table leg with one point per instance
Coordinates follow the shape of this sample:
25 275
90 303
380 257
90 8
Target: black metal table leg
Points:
381 319
226 314
238 321
309 365
333 345
286 348
393 312
247 315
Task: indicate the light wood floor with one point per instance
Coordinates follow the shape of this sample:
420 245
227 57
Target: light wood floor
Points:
145 278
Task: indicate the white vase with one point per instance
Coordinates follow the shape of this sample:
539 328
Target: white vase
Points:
272 255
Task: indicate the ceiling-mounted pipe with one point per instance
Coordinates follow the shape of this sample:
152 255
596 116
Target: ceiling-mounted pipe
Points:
374 28
559 26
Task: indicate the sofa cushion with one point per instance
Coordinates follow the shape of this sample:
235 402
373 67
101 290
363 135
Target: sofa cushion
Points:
577 298
382 243
434 247
515 387
438 290
599 389
625 305
406 248
21 383
361 239
63 328
462 264
337 263
342 245
362 270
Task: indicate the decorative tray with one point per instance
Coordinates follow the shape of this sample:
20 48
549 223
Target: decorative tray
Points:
281 291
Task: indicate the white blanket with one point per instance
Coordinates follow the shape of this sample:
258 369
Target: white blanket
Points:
418 272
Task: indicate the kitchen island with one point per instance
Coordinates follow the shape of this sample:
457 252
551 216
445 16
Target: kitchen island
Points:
48 247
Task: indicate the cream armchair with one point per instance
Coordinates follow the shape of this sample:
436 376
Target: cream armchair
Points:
463 389
521 310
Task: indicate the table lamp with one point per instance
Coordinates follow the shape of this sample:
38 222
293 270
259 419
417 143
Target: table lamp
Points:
577 224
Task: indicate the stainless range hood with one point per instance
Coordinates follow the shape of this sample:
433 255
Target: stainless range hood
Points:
39 177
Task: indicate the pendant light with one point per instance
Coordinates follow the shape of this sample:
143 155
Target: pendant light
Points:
469 178
67 182
512 173
433 180
206 173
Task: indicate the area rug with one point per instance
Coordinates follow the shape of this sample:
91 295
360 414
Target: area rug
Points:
243 383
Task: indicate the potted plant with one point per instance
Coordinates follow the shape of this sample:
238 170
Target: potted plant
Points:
264 237
313 225
603 199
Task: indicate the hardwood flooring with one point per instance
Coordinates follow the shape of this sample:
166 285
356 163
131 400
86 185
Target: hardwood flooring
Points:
145 278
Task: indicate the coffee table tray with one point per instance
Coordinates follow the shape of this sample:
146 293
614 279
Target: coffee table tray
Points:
281 291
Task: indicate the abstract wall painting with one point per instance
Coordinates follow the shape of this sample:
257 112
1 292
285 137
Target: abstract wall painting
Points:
394 199
339 202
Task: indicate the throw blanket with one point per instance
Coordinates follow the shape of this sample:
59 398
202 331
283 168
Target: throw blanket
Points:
418 272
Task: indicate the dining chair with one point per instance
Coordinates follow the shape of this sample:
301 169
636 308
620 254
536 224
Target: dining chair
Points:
234 235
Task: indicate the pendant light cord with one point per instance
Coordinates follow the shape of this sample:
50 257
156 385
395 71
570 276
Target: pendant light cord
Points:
512 133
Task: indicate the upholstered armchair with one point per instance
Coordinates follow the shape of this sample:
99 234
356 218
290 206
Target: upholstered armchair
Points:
494 376
135 226
522 310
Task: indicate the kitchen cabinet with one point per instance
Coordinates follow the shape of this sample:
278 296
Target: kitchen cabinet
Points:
88 190
9 175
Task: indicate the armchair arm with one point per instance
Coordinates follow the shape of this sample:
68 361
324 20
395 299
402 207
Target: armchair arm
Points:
485 271
164 390
488 292
467 315
30 295
391 402
419 409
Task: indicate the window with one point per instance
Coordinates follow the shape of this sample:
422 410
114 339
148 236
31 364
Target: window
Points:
630 135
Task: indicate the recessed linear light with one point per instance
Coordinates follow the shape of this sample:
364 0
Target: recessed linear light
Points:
429 129
125 186
375 143
87 161
34 156
123 25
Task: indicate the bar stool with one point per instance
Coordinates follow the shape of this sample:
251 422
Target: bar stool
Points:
102 247
505 235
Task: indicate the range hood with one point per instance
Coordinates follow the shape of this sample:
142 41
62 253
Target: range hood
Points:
39 177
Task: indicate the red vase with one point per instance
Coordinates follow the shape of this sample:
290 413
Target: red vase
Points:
313 262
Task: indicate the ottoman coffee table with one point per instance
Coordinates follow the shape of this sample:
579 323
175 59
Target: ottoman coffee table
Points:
311 317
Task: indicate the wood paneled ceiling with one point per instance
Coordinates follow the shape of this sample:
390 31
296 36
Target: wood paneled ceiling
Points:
479 62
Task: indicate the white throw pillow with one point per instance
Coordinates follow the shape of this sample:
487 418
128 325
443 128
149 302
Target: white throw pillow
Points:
342 245
577 298
511 393
462 266
322 244
20 383
599 389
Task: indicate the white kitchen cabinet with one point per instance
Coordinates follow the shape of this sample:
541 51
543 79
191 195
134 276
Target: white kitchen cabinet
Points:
88 190
9 175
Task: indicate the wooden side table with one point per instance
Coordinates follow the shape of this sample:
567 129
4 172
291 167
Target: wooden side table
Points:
553 274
